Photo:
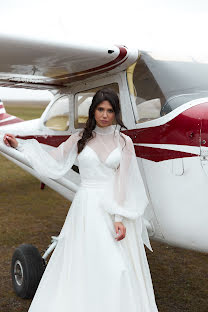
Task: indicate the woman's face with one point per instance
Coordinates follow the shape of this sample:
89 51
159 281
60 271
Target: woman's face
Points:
104 114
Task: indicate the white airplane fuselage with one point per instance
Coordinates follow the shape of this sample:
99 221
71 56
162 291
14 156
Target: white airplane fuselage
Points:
171 149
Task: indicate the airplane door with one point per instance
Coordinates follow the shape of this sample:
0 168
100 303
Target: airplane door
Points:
84 92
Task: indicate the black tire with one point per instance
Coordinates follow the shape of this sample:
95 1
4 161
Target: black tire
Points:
26 269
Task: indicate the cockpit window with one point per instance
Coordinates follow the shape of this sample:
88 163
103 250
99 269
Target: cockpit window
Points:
164 83
148 95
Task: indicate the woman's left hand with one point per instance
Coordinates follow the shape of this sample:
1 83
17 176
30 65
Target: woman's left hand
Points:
120 227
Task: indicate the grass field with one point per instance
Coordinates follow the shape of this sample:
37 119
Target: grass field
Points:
30 215
25 112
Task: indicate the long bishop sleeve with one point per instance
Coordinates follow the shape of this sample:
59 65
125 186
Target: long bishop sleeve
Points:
128 199
54 164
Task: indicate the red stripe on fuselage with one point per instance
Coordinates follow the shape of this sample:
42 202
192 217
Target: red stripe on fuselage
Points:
4 116
154 154
185 129
51 140
158 154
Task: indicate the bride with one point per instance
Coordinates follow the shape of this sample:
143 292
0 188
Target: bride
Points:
99 263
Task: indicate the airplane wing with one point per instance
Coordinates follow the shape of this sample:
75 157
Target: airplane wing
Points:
36 64
33 64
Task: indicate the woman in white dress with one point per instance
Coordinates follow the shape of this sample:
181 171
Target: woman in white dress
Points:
99 263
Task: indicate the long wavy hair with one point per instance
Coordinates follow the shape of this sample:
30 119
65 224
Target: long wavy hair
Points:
105 94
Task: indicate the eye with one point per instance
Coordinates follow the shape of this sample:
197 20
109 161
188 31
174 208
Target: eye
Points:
111 111
100 109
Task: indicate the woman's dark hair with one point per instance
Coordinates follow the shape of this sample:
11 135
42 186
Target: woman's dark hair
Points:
105 94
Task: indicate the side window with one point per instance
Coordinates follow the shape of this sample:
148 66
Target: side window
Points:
58 115
148 96
83 101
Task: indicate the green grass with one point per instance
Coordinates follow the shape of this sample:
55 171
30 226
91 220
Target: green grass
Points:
28 215
26 112
31 215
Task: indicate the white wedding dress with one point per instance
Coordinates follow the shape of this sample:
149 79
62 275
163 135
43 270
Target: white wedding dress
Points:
89 270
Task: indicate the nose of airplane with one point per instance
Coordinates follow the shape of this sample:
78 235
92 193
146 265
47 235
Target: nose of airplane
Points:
6 119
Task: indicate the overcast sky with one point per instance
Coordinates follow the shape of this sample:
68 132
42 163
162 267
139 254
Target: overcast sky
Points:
163 25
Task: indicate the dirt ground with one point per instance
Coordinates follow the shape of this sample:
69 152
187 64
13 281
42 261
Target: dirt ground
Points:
30 215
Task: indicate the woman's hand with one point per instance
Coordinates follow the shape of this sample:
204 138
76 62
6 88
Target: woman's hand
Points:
120 227
9 140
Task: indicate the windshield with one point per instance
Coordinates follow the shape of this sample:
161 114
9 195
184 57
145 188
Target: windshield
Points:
165 84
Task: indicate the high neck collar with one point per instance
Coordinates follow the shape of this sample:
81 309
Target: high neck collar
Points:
104 130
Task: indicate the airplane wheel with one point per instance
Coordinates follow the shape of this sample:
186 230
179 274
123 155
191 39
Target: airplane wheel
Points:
27 269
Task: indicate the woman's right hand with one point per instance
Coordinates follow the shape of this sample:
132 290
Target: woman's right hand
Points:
9 140
119 227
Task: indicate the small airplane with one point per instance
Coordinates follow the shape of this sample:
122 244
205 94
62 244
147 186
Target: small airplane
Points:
164 104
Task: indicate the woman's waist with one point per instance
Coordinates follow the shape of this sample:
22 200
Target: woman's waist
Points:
98 184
